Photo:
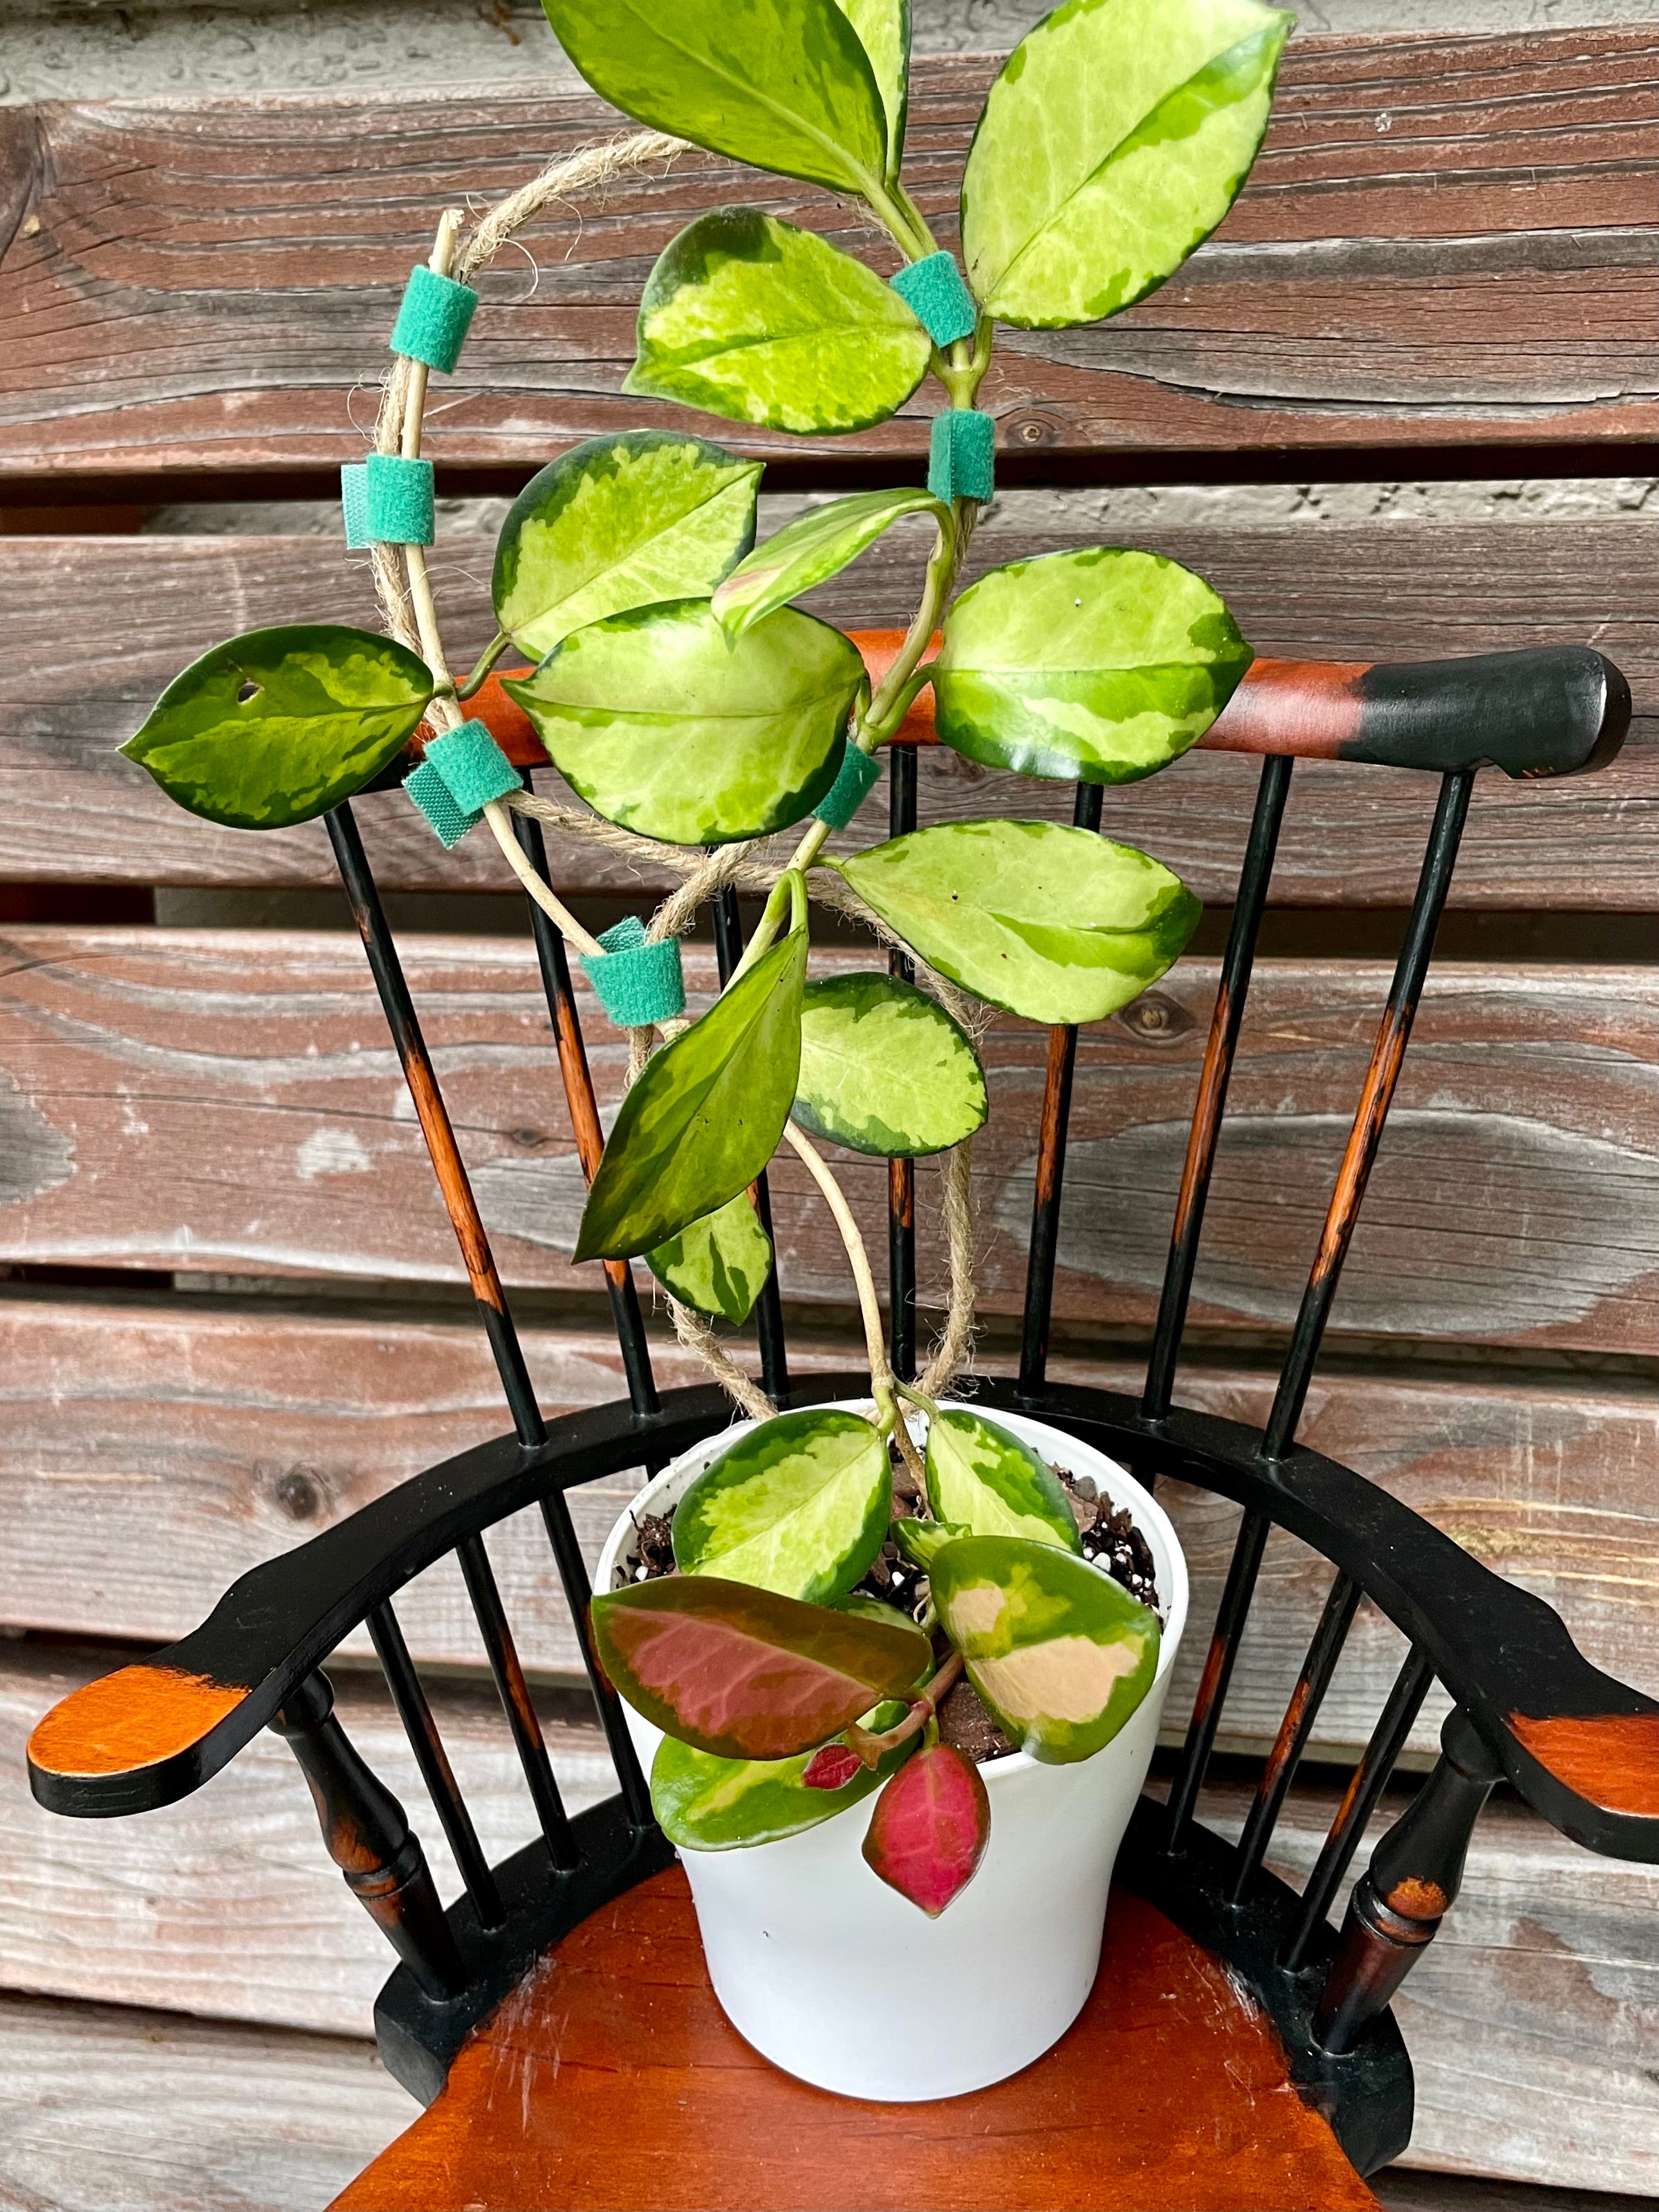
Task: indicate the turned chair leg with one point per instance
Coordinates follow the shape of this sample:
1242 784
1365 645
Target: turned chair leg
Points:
1400 1901
369 1839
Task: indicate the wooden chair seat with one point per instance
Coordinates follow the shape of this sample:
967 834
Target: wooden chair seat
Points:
609 2078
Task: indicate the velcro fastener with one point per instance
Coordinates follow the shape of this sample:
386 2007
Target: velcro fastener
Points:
473 765
961 455
638 982
934 290
433 319
400 499
354 502
854 780
448 823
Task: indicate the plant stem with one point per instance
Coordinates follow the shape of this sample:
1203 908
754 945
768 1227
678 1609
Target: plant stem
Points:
881 1375
564 921
873 1749
481 668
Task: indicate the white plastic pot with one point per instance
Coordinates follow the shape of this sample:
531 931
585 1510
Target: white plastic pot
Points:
836 1977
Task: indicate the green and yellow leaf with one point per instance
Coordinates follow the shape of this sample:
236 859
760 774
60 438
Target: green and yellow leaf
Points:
279 726
665 725
884 1070
747 316
1053 923
617 523
809 551
1098 667
705 1115
799 1506
1113 143
718 1264
1060 1654
785 85
989 1482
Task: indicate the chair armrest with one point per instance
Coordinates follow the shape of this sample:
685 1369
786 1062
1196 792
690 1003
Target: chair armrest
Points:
1581 1748
149 1734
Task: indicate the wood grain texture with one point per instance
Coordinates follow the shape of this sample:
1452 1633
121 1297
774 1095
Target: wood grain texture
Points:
151 1452
1446 239
611 2074
228 1102
106 2110
1534 2022
99 627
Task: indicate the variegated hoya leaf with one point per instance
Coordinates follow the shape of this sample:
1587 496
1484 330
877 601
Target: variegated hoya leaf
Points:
884 1070
279 726
665 725
884 29
618 522
743 1673
785 85
808 551
1099 666
1113 143
989 1482
1053 923
707 1804
745 316
799 1505
717 1265
1060 1654
705 1115
930 1827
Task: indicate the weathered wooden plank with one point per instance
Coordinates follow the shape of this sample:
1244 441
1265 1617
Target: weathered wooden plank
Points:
153 1451
1531 2020
1446 239
226 1101
98 627
106 2110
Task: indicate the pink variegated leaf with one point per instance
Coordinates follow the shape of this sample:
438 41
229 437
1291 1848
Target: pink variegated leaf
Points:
832 1768
743 1673
930 1828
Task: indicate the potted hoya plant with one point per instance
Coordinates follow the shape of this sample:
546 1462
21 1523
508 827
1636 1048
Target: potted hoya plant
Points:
895 1667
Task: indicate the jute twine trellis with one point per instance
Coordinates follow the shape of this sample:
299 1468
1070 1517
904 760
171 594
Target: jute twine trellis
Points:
404 591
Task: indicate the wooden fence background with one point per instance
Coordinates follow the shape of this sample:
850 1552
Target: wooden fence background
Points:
1406 405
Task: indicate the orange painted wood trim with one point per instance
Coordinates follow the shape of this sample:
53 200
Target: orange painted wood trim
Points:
133 1718
1612 1759
612 2077
1301 706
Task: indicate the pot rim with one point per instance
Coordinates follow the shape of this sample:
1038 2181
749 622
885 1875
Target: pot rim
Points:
1138 1499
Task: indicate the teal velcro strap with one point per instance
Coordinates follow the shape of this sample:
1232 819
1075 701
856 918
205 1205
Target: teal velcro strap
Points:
473 766
399 500
854 780
433 321
934 290
354 501
637 982
961 455
448 823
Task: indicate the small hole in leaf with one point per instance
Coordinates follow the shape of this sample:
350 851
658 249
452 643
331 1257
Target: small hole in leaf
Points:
246 691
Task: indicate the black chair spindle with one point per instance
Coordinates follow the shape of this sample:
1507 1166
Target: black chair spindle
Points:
521 1717
399 1008
1231 1616
1370 1779
1044 1249
426 1743
1279 1771
1216 1074
1380 1078
769 1307
577 1079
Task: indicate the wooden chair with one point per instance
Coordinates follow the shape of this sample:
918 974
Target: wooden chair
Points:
1239 2053
573 1970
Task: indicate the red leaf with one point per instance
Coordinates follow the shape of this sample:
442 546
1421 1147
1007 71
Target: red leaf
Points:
832 1768
744 1673
930 1828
